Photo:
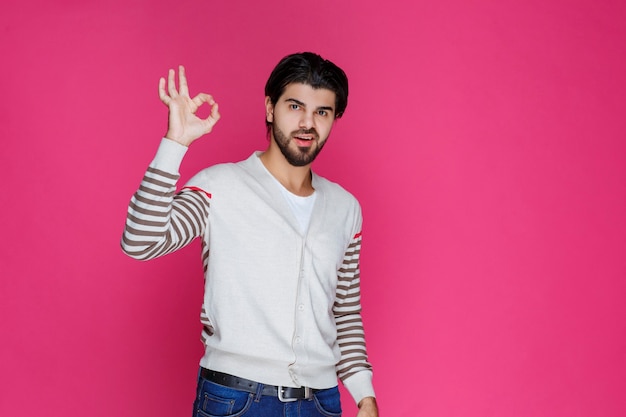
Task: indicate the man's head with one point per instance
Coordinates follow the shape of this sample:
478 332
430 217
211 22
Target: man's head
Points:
311 69
304 95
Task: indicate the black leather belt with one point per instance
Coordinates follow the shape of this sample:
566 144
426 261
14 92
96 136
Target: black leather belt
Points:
284 394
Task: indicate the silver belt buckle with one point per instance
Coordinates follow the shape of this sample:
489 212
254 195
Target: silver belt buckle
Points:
283 399
308 394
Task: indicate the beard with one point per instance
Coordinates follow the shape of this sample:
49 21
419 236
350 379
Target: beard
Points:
300 156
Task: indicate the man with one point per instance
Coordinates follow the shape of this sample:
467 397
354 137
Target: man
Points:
280 248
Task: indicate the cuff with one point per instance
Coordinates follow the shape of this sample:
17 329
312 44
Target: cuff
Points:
169 156
360 385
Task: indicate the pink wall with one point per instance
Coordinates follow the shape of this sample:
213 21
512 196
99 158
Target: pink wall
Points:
485 140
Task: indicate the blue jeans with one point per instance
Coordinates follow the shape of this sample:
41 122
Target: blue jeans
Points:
214 400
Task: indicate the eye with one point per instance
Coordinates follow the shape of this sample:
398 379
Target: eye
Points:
293 106
322 112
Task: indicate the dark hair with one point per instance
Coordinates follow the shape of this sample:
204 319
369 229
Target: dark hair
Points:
312 69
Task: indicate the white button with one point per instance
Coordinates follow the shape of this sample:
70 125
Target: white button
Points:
301 307
298 339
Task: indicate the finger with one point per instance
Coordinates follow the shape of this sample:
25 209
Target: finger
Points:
182 81
162 94
215 113
213 118
171 84
203 98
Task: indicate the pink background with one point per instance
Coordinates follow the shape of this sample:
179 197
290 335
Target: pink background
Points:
485 140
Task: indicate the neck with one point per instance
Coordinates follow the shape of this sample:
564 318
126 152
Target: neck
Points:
296 180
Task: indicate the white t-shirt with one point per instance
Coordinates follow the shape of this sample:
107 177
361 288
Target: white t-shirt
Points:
301 207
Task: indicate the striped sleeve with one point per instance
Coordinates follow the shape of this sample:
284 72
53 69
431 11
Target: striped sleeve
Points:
159 220
353 368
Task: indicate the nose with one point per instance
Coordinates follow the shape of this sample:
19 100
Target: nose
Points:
306 121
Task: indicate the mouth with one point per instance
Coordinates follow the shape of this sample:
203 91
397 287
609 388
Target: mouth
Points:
304 140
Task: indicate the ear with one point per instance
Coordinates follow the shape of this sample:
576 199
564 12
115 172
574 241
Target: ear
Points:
269 110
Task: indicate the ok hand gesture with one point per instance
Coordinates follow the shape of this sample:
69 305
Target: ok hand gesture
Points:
184 126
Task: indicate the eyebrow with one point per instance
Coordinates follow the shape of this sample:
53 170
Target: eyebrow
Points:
299 103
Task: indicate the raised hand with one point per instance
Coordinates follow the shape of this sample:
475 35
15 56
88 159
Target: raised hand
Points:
184 126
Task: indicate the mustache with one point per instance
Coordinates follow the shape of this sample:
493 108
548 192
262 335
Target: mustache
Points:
310 131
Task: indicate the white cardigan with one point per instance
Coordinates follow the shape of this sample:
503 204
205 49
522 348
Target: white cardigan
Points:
279 307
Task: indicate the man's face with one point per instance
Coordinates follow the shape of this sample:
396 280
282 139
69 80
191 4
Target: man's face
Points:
301 121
